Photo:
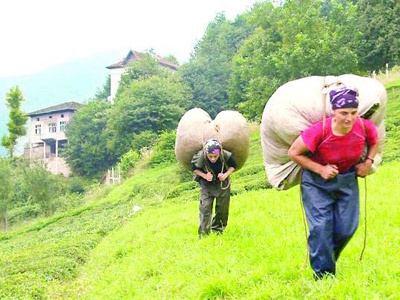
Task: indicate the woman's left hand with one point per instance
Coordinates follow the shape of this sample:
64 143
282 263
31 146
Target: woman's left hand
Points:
363 168
222 176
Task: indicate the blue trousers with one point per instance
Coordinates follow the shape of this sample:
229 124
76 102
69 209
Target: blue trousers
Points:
332 211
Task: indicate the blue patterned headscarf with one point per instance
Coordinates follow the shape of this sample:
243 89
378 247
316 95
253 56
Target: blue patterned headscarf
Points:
212 146
343 98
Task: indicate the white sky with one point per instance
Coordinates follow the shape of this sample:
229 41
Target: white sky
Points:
36 34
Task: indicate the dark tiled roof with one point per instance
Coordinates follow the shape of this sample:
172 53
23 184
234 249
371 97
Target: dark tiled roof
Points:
67 106
134 55
166 63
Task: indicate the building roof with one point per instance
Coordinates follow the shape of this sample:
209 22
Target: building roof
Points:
135 55
67 106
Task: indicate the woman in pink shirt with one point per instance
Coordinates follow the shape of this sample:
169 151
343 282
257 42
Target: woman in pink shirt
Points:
329 153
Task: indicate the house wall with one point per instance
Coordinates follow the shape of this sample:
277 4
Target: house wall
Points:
52 129
46 130
37 151
115 79
56 165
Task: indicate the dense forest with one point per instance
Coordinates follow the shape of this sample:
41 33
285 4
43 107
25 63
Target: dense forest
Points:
236 65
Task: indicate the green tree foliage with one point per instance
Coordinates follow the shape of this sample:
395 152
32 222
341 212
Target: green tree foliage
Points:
43 188
143 140
16 125
33 191
209 71
379 39
291 41
150 99
153 104
104 92
255 76
236 65
87 150
128 161
145 67
6 190
172 59
164 150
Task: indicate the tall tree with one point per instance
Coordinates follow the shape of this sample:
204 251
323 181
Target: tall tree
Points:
379 40
254 75
43 188
209 71
153 105
86 152
291 41
16 125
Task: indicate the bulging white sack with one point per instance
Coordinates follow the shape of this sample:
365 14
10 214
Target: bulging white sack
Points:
298 104
196 127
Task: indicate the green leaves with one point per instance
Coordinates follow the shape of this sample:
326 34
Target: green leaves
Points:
87 152
378 24
153 104
291 41
16 125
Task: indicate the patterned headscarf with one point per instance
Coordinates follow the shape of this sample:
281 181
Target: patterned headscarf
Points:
212 146
343 98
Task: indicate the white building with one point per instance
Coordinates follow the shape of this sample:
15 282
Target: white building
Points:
47 135
117 69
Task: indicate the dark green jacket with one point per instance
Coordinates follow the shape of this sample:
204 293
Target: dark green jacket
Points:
224 162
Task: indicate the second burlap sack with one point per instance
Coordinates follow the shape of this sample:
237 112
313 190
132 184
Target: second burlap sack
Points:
196 127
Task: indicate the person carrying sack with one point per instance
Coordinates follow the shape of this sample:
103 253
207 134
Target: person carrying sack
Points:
329 153
212 166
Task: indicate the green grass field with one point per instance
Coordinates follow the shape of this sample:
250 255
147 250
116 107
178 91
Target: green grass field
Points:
107 249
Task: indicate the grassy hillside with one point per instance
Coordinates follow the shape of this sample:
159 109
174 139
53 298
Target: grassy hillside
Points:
392 120
138 240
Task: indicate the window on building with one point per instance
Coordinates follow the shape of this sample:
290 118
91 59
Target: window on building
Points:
63 124
52 127
62 115
37 119
38 129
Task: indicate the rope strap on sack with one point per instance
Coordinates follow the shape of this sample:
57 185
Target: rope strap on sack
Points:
365 218
217 130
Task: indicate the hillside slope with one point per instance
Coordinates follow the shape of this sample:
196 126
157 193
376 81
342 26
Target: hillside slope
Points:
261 255
66 241
111 249
138 240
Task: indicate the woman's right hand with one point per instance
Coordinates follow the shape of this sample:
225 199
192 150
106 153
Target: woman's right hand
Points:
328 171
209 176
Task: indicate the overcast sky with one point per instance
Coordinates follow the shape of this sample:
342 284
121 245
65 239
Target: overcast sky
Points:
36 34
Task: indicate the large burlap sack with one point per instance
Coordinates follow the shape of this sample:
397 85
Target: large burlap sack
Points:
298 104
196 127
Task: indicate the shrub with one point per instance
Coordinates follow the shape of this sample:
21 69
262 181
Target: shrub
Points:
144 139
75 186
164 150
128 161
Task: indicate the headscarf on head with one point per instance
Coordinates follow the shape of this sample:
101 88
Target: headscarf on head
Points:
343 98
212 146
